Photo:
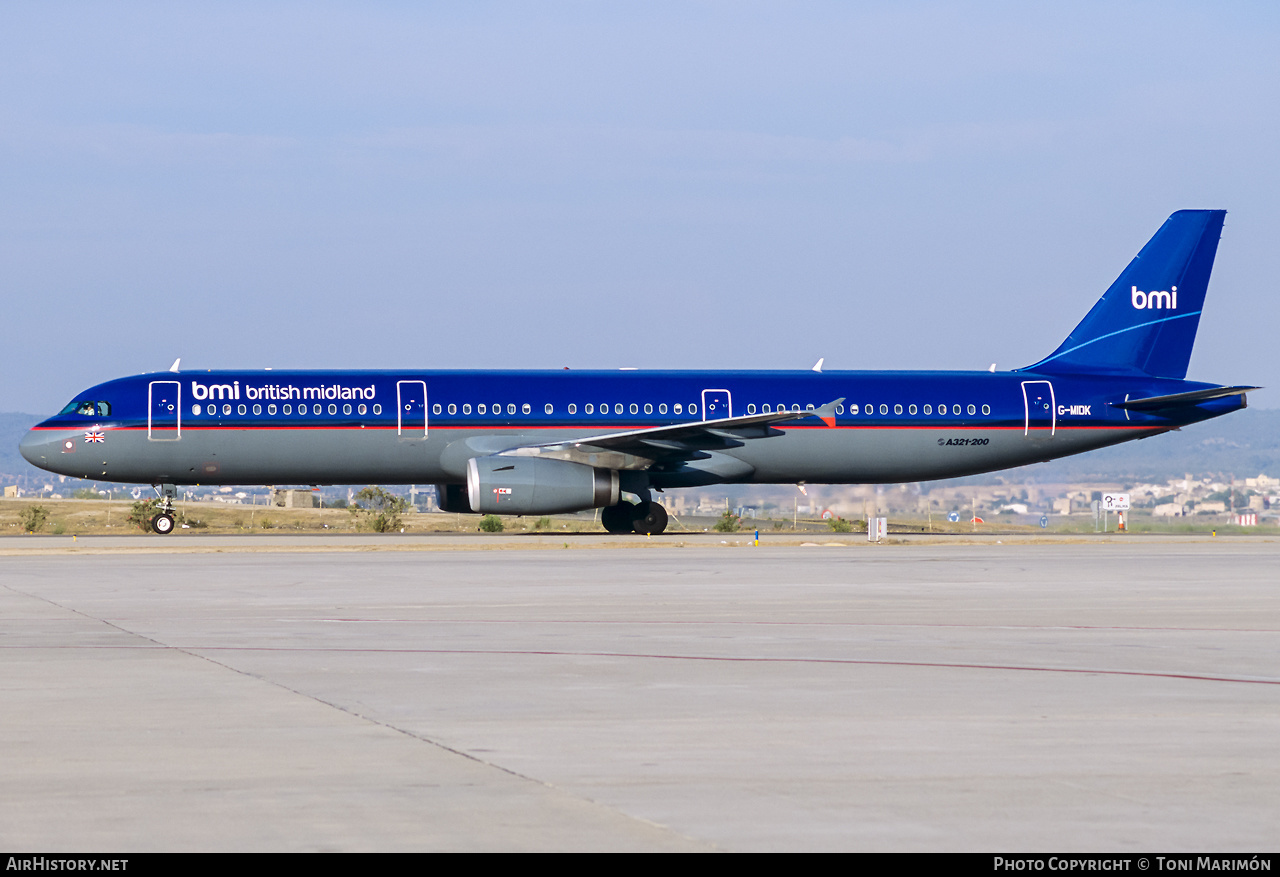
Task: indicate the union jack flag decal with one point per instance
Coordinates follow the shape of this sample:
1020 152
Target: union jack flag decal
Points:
94 435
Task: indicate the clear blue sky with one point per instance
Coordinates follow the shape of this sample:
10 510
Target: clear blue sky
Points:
602 184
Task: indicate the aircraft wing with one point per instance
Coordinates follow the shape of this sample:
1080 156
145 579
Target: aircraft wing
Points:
641 448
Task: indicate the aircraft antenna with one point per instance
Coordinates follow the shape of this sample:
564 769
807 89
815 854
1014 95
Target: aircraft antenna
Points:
174 367
817 366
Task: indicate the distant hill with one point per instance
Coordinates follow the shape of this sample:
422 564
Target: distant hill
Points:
1246 443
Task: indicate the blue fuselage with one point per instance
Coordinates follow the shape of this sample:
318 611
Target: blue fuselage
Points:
361 427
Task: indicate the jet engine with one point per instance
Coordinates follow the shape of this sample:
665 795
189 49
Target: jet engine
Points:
537 486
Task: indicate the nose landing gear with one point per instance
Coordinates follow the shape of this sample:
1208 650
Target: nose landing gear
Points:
163 522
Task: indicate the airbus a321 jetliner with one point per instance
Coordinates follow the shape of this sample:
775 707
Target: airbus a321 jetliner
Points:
542 442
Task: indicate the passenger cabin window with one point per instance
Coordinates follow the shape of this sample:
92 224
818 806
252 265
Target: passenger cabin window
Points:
573 409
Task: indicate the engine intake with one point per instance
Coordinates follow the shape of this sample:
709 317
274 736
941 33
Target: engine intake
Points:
453 498
537 486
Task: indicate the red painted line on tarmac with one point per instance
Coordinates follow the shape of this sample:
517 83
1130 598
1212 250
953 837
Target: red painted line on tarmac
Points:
848 624
1079 671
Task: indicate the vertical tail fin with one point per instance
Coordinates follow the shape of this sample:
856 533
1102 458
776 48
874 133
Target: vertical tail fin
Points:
1146 322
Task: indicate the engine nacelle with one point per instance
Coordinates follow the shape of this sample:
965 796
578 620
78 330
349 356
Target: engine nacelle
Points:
537 486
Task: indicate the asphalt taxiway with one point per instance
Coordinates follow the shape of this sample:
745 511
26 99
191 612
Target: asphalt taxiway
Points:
1084 695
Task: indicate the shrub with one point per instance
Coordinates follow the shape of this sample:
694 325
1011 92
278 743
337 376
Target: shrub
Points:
728 523
840 525
378 510
33 517
141 513
491 524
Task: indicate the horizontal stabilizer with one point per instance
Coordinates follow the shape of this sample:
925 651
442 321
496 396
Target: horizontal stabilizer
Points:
1181 400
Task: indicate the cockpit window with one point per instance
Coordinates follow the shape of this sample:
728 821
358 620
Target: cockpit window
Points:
88 408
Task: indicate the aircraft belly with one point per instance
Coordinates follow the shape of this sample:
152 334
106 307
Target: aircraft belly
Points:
379 456
262 456
868 456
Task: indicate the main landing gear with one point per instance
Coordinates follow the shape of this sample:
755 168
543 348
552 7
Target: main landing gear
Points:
163 523
646 517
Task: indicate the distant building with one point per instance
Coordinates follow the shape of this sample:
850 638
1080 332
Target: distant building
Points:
295 499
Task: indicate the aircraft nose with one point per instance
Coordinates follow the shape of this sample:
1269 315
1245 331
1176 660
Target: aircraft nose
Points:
35 448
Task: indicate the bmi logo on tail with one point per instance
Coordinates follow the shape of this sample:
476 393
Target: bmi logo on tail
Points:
1157 300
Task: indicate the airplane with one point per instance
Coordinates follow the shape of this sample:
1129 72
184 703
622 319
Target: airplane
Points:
548 442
